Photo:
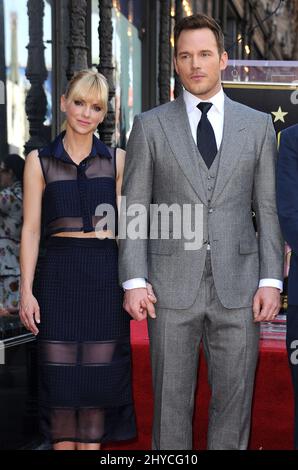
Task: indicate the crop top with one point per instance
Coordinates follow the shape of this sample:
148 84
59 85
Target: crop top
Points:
73 192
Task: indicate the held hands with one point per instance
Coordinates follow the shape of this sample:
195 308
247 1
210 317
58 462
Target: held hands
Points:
29 312
266 304
139 302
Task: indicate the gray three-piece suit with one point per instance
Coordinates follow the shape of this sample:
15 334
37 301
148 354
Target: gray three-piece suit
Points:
204 295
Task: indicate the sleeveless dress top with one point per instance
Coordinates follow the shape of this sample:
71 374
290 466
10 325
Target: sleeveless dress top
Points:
73 192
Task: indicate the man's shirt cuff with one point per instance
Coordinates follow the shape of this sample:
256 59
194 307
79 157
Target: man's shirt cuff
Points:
134 283
271 283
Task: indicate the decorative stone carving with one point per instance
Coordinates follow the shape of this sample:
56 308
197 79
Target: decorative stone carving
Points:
105 35
36 72
178 17
78 49
3 117
164 76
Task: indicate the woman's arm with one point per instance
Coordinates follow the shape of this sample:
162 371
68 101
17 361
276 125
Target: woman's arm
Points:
32 203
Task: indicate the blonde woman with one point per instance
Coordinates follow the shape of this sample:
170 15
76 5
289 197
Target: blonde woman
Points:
83 332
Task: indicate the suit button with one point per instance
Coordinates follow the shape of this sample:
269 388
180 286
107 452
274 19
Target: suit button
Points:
210 211
209 188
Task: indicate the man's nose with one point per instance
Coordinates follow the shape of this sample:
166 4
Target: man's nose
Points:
196 62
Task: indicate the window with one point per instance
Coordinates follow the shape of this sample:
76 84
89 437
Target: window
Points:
127 62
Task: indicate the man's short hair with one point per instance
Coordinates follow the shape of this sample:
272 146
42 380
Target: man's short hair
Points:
200 21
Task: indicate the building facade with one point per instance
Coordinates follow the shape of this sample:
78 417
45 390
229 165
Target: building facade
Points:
43 42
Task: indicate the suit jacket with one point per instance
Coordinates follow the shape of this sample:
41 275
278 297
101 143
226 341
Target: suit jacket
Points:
162 166
287 202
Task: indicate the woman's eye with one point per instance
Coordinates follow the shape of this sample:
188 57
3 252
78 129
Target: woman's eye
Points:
97 109
78 103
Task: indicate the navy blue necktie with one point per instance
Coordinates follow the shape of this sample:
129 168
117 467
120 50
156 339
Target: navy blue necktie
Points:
205 136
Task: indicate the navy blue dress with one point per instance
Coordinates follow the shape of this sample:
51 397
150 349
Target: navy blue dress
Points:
84 340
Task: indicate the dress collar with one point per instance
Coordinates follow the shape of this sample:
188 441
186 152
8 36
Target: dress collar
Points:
56 149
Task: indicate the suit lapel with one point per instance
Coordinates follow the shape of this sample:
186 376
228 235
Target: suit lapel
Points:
178 133
232 143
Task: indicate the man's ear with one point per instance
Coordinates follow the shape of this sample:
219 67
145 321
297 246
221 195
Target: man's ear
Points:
175 64
224 61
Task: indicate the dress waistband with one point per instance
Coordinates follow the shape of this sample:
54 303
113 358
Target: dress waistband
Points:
65 242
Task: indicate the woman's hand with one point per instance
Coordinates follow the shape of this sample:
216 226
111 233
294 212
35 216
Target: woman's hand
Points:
29 312
150 292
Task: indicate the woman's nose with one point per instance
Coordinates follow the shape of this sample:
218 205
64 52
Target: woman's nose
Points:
86 111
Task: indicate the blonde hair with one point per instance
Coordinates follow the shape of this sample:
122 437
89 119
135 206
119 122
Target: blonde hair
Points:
88 85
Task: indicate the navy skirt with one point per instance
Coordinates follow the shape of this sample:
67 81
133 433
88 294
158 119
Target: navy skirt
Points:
84 344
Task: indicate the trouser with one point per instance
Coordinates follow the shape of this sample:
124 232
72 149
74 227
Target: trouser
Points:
230 340
292 348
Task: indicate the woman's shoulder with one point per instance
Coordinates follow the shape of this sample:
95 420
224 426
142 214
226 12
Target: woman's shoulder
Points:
33 154
52 149
120 152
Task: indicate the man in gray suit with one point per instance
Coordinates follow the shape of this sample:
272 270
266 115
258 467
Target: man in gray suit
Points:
203 149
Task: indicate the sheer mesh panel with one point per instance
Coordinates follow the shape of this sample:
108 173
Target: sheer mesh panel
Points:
56 170
91 425
71 224
63 425
101 352
73 192
100 167
87 425
59 353
68 361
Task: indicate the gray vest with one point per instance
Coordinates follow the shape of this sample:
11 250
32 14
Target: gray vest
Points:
208 178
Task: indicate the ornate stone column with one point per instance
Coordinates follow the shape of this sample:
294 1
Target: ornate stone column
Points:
105 35
224 16
78 49
61 58
178 17
164 76
215 10
3 127
36 72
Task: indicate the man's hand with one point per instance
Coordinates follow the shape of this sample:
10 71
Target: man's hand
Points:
140 302
266 304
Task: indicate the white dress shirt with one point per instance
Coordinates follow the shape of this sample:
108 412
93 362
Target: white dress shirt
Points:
215 114
216 119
